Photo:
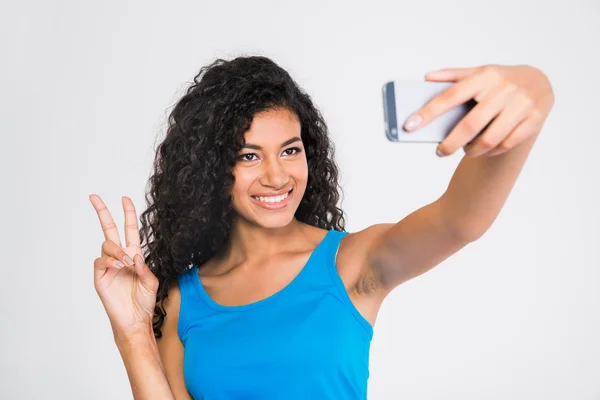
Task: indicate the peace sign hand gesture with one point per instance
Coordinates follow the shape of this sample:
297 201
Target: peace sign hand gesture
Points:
124 283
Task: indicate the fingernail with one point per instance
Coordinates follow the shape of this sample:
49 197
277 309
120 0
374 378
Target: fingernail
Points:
439 153
119 264
413 123
128 260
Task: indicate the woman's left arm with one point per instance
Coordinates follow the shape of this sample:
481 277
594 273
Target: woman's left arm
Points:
514 101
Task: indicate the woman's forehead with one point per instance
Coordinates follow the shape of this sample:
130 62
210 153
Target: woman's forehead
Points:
273 127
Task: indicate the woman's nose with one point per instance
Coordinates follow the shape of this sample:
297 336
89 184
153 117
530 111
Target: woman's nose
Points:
275 175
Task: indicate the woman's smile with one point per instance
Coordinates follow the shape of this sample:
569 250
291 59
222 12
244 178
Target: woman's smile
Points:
273 202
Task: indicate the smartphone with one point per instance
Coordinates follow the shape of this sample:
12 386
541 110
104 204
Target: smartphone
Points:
402 98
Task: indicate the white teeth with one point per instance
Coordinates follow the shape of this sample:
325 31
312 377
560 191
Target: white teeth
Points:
272 199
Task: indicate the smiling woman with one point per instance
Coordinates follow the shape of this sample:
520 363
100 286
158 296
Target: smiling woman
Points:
249 283
245 191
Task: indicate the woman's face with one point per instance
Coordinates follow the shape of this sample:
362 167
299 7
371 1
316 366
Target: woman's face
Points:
271 172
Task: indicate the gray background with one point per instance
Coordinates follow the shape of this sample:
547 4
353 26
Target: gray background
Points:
85 90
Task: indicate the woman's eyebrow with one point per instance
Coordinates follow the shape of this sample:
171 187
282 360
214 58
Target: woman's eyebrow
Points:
287 142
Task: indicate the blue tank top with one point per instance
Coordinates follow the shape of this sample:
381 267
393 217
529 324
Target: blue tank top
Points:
306 341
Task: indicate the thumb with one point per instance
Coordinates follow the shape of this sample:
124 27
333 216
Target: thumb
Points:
147 278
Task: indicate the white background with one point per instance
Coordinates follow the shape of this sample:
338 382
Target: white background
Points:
85 88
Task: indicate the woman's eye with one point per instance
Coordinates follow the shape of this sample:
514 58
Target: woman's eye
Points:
247 157
292 151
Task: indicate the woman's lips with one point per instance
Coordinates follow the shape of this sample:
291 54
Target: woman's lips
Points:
274 206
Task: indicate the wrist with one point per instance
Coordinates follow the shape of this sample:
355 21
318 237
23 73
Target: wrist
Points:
134 337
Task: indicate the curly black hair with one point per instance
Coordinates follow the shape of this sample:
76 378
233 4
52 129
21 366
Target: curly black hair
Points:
189 211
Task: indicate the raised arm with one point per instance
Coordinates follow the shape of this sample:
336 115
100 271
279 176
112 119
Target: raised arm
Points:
518 99
127 289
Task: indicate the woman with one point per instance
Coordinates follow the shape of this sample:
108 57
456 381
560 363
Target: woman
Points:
250 287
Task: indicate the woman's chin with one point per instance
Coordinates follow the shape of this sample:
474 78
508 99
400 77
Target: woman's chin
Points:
274 221
267 220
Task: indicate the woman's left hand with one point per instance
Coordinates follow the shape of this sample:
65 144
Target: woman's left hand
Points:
518 97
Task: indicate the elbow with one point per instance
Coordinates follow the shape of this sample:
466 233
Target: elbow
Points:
472 235
469 232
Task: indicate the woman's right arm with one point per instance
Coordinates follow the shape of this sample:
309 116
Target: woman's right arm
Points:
127 289
155 366
144 367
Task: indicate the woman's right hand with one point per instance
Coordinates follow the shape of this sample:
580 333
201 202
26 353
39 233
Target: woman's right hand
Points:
124 283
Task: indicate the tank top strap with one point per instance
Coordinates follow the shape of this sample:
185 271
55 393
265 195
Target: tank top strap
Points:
330 248
191 308
316 271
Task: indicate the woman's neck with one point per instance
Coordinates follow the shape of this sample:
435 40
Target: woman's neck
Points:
249 243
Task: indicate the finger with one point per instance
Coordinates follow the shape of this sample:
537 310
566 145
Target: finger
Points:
449 74
518 135
500 129
113 262
475 122
147 278
106 221
100 266
457 94
103 264
111 249
105 270
132 232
